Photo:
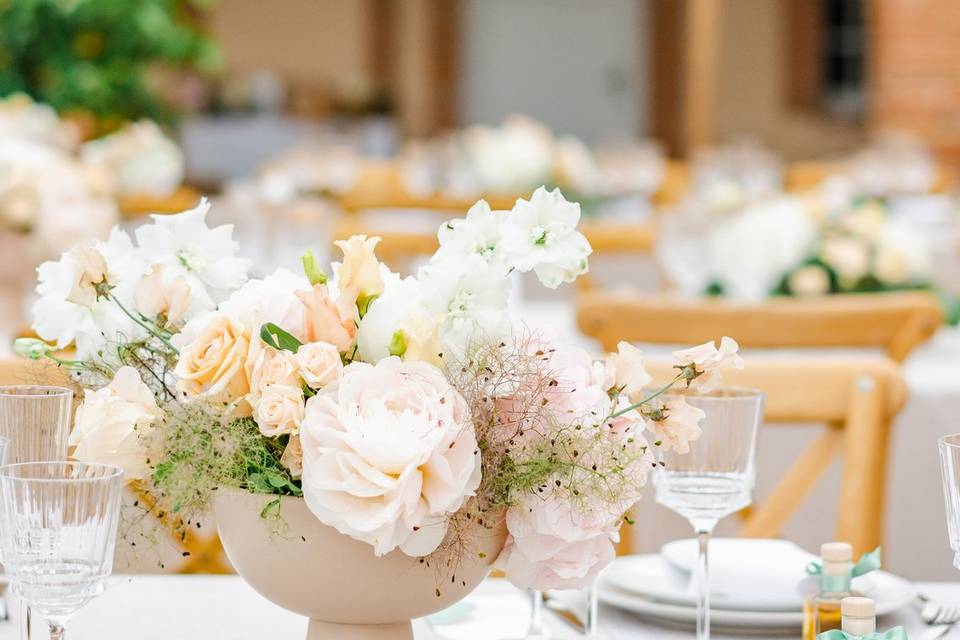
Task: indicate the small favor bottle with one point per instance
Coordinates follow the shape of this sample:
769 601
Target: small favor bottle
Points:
822 612
859 616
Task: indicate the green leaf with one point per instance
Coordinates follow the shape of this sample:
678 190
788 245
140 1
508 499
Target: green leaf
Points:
364 302
258 483
398 343
278 338
312 269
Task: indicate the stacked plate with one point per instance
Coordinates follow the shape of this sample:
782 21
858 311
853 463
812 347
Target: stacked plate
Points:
754 585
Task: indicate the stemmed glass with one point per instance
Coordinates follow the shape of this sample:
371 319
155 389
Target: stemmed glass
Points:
716 477
36 420
950 470
58 532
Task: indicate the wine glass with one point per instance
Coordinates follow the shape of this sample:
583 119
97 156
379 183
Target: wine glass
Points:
950 471
57 534
36 420
537 627
716 477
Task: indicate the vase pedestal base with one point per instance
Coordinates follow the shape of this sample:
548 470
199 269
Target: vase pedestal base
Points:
319 630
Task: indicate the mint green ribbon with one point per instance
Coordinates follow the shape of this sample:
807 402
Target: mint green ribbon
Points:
837 584
896 633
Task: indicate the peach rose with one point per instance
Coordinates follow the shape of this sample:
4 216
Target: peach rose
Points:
113 425
360 268
211 365
279 410
319 364
272 367
327 320
292 457
156 296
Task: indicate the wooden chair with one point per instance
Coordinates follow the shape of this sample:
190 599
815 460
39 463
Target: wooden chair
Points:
856 400
895 322
135 207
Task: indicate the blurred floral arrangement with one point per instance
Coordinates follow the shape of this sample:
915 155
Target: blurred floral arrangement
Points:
521 153
405 411
100 60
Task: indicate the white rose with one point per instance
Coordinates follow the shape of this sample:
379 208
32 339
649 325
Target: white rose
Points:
113 425
848 256
279 410
811 280
389 453
319 364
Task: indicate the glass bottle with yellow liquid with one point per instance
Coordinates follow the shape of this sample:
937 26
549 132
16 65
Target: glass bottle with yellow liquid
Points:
822 612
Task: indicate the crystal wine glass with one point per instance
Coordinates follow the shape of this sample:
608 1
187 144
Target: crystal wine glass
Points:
537 628
716 477
57 534
950 470
36 419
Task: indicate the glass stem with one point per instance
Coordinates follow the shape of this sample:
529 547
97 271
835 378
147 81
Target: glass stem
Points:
57 631
593 611
536 614
24 620
703 530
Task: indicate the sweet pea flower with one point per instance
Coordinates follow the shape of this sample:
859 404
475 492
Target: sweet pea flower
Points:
90 274
702 366
674 424
625 371
157 296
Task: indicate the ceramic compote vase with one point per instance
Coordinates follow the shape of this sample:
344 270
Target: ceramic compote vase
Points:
347 592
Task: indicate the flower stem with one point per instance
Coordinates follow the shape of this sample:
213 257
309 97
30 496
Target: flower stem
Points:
655 394
151 330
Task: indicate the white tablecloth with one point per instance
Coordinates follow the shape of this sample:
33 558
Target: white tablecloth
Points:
225 608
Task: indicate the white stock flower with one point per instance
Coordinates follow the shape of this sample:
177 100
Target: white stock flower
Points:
480 233
703 365
141 158
114 424
389 453
511 158
541 234
184 244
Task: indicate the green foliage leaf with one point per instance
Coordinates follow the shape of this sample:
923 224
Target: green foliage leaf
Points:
278 338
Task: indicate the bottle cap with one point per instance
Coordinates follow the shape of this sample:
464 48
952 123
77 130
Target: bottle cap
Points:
836 552
856 607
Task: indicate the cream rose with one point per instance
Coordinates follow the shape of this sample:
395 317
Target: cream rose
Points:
114 424
279 410
157 296
292 457
272 367
319 364
389 453
360 268
211 365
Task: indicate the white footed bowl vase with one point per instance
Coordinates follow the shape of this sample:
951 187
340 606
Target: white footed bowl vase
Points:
347 592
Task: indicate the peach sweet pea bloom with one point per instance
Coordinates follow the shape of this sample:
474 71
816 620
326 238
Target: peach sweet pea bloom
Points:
678 426
155 295
360 268
90 269
330 321
627 372
212 364
319 364
389 453
114 423
706 363
279 410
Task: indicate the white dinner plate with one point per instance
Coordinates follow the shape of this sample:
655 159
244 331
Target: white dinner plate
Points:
650 586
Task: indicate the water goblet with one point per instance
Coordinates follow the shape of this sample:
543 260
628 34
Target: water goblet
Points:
716 477
57 534
950 472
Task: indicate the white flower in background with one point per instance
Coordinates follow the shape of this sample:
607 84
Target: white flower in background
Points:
848 256
21 117
901 255
702 366
471 298
625 370
575 167
69 311
141 159
553 544
479 233
318 363
389 453
114 424
184 244
541 234
279 410
674 423
511 158
811 280
864 221
165 299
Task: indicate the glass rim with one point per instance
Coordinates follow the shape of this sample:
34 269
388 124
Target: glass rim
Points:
39 391
723 392
8 472
951 440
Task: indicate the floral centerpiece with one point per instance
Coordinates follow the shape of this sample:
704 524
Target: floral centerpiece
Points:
409 415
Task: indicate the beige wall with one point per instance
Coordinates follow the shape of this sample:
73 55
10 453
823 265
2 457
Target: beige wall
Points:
305 41
751 92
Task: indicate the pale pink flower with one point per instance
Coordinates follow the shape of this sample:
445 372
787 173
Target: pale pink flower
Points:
625 371
327 320
90 269
675 424
702 366
157 296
